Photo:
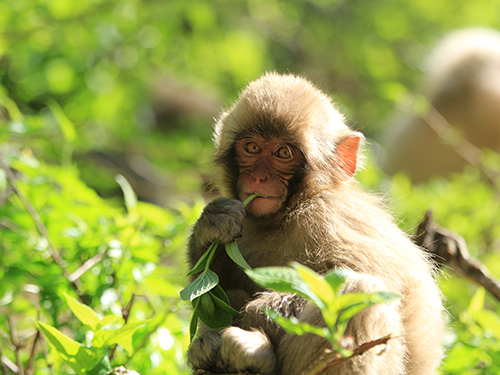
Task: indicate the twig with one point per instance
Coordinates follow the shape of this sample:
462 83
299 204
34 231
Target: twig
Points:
30 367
332 359
126 314
17 345
3 364
54 253
85 267
449 248
45 351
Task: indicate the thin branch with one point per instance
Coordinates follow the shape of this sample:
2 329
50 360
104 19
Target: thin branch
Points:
30 367
56 256
3 361
126 314
85 267
448 248
331 359
17 345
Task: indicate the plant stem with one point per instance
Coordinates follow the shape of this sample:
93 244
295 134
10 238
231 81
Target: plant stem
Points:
251 198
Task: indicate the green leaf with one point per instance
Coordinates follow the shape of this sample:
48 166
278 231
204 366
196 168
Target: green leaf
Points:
293 326
219 292
283 279
201 264
207 280
107 320
476 303
128 193
339 276
103 367
215 318
73 353
225 306
122 336
317 283
83 312
11 107
64 345
193 324
487 319
352 303
234 253
65 124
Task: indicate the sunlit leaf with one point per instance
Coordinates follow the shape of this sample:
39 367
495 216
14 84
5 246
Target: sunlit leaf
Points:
78 357
121 336
352 303
83 312
476 303
318 285
65 346
339 276
489 320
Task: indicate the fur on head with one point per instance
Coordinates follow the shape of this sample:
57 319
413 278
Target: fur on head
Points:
292 109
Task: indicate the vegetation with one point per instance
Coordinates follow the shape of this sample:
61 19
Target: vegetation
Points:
102 101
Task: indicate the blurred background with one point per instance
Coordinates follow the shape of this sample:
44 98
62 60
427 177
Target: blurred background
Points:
106 112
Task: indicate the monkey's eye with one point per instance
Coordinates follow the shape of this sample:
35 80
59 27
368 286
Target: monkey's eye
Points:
252 148
284 152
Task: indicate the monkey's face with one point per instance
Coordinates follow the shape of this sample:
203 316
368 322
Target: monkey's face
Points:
265 167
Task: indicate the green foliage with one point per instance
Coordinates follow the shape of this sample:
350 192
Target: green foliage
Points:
57 236
325 291
80 78
81 359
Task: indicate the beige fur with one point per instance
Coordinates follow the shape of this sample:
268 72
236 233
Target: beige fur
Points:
462 84
327 222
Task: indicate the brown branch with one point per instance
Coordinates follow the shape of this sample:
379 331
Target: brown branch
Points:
30 367
17 345
4 361
331 359
54 253
125 314
448 248
85 267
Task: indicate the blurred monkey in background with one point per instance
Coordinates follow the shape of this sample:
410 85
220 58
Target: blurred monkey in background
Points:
462 87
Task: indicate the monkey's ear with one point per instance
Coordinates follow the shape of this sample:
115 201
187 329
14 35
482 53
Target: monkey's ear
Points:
347 152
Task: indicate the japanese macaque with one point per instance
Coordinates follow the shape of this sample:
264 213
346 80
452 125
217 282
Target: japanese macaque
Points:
285 140
463 87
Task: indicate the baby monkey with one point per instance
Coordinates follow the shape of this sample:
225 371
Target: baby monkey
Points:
285 140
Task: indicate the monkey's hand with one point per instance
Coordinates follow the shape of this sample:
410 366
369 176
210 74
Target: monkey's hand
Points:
221 221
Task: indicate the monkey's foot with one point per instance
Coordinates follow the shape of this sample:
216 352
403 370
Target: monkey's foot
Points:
246 351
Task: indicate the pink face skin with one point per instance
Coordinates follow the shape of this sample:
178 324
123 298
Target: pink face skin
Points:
265 168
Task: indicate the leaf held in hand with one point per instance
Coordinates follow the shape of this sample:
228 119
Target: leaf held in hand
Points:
207 280
234 253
